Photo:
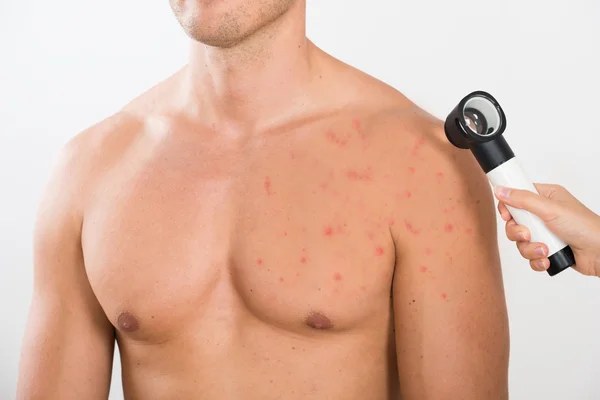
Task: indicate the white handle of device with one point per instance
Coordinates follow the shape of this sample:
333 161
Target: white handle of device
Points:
511 174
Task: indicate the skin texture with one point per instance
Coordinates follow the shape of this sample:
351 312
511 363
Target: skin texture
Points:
564 215
262 225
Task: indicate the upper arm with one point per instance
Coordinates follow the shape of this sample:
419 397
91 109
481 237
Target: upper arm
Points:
68 345
449 306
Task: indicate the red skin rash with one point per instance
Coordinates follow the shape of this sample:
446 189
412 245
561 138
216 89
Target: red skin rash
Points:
284 233
281 280
333 138
423 268
418 144
360 176
408 194
356 123
428 252
337 276
448 228
411 228
268 185
411 170
379 251
259 261
328 231
468 231
440 174
303 260
444 296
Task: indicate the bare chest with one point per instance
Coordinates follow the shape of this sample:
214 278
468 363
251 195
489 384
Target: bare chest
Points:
181 236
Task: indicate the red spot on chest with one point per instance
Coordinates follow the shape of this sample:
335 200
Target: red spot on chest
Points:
365 175
328 231
267 185
259 261
379 251
444 296
411 170
448 228
337 276
423 268
428 252
468 231
303 260
411 228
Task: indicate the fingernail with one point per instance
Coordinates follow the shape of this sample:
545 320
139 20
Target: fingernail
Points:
503 192
540 265
540 252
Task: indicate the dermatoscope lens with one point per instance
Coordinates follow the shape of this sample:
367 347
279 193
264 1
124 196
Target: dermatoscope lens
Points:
481 116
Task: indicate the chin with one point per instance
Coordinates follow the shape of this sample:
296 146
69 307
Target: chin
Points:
225 23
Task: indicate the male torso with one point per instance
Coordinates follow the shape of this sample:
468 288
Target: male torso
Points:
298 257
252 266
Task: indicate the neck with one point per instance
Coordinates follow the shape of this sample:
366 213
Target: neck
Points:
256 83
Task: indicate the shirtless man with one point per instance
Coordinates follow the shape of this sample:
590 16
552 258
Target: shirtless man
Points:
268 223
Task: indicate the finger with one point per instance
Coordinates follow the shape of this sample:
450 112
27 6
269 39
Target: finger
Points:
527 200
532 251
504 213
517 233
541 264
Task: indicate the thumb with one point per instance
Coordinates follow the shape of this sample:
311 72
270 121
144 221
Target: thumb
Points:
526 200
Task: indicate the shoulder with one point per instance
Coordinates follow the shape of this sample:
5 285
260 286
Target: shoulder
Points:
85 157
424 178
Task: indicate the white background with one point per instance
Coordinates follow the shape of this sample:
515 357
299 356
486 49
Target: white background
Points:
65 65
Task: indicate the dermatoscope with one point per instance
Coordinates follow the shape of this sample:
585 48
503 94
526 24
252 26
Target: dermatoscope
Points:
477 123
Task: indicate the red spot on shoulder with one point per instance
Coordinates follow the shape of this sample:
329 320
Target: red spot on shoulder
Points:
356 123
444 296
284 233
418 143
428 252
468 231
281 279
259 261
328 231
408 194
411 170
448 228
423 268
440 174
324 185
379 251
303 260
411 228
335 139
392 222
267 185
337 276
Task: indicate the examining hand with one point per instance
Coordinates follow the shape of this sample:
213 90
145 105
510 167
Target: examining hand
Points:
564 215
